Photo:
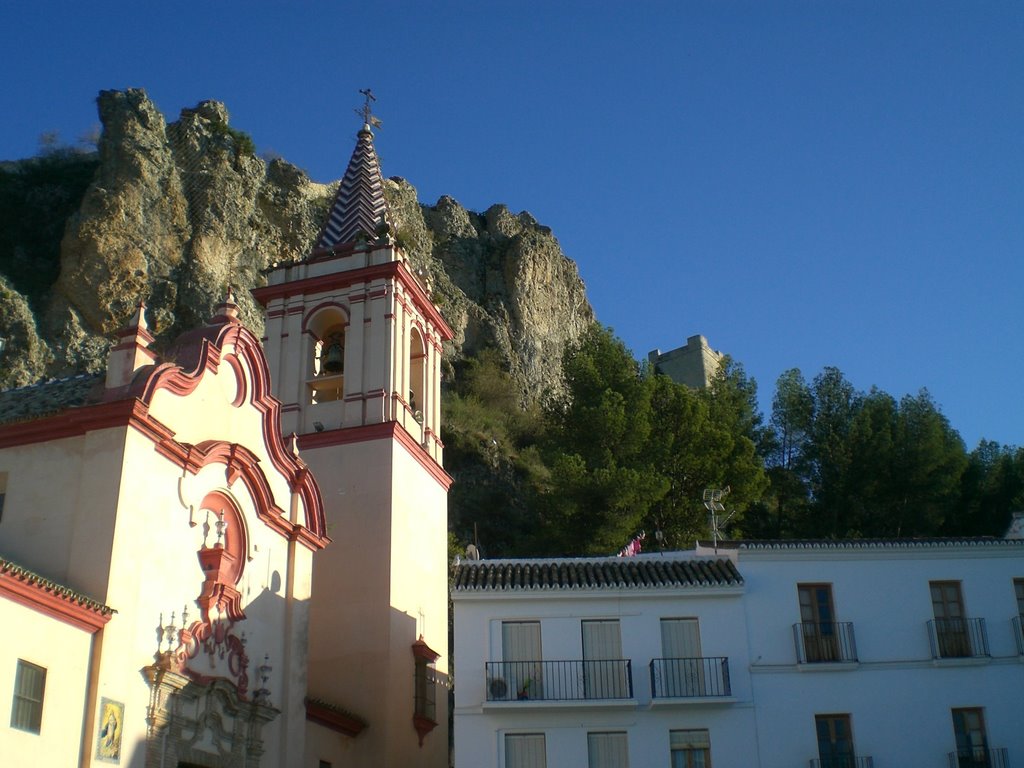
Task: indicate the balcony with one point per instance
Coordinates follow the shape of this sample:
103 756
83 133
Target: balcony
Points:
828 642
1018 633
559 680
843 761
979 757
690 678
958 638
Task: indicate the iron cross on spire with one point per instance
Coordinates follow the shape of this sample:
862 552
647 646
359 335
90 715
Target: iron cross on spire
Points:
366 112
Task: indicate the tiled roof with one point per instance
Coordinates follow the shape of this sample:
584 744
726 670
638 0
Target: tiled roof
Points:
644 572
49 397
359 205
855 544
15 571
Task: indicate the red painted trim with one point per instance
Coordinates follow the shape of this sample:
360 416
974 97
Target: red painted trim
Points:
421 650
384 431
336 721
34 595
73 422
200 351
239 379
336 280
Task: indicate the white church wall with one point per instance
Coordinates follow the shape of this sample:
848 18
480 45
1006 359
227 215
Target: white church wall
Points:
63 651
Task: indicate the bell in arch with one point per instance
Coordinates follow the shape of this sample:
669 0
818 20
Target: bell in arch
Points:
334 355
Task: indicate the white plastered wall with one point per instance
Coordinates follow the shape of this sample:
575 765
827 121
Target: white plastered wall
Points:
63 651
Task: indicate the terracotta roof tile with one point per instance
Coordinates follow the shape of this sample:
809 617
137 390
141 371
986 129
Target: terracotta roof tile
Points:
49 397
645 572
15 571
752 545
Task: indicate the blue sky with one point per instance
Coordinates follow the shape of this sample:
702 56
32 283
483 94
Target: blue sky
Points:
804 183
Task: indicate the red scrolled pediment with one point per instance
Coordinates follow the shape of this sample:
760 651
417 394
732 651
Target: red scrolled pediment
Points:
201 350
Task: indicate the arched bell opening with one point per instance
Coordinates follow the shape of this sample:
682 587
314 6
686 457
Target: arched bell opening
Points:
326 376
417 376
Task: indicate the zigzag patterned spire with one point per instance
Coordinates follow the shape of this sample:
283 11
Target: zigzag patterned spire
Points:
359 206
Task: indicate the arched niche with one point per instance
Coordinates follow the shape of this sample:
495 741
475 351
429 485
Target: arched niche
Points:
218 507
325 377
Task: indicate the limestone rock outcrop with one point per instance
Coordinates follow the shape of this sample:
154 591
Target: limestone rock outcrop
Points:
175 212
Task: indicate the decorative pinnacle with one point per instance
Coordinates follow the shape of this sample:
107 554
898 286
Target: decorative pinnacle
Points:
369 120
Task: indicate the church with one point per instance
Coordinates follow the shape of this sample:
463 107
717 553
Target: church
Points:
232 553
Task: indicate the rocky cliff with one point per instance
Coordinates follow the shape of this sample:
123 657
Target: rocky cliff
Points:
173 213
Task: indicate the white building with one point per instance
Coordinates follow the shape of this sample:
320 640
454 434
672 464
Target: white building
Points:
768 654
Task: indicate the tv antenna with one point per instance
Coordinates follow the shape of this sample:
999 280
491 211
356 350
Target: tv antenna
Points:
713 502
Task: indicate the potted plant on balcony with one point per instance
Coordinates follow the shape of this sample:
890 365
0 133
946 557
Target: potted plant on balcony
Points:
524 690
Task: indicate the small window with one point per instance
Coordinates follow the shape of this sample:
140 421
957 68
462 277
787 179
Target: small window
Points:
1018 586
817 623
525 750
951 625
971 741
835 740
3 492
27 708
426 689
607 750
691 748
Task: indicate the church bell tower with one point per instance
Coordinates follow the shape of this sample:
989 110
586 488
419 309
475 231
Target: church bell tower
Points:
353 342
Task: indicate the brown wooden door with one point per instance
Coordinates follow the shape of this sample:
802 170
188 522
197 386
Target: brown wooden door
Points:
818 622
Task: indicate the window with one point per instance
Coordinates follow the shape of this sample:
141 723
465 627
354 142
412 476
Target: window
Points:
817 623
521 668
604 672
525 750
607 750
425 689
950 624
683 672
1018 620
27 708
835 741
424 715
971 743
3 492
690 748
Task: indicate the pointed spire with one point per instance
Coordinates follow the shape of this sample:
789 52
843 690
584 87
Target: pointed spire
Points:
131 351
359 205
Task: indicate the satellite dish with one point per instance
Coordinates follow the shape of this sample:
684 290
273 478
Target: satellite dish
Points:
472 553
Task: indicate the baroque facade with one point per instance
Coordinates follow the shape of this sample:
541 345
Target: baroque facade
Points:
233 553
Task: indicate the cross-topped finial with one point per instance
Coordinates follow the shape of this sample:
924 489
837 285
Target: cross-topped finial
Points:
366 112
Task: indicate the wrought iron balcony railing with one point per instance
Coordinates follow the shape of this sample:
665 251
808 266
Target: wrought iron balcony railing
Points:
820 642
958 638
1018 633
690 678
585 680
843 761
979 757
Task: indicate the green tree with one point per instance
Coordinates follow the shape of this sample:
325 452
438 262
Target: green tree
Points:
631 450
991 490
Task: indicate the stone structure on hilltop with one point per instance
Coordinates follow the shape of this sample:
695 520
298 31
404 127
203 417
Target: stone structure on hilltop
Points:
694 365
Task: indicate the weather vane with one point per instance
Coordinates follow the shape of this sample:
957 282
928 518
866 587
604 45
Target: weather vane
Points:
366 112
